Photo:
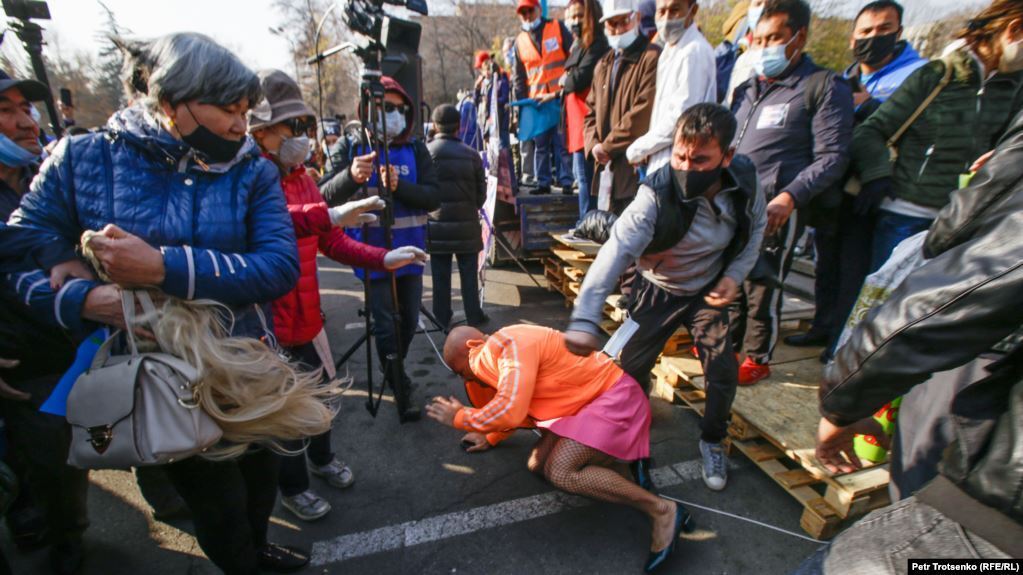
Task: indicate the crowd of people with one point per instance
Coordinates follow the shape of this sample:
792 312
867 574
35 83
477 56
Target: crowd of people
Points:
698 169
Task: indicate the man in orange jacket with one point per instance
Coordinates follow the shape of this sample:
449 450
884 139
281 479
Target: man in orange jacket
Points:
590 413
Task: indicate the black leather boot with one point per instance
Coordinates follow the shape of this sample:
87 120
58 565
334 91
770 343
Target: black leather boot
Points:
401 386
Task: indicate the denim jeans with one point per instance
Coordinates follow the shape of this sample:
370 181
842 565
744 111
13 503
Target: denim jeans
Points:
583 169
545 146
891 229
440 264
882 542
562 162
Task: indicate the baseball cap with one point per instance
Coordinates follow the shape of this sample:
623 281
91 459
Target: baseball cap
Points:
32 90
615 8
524 4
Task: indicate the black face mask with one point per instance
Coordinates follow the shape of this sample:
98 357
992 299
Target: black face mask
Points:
217 149
577 30
693 184
874 50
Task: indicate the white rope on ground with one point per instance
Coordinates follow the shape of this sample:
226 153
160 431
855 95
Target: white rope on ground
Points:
440 356
747 519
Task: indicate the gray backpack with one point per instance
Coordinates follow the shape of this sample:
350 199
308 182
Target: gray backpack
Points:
137 409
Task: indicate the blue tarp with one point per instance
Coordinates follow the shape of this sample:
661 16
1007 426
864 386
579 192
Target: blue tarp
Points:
535 120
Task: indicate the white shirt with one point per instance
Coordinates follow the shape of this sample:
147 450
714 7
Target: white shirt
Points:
740 73
686 75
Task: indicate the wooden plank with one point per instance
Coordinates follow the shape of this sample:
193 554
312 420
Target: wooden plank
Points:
794 478
739 428
571 242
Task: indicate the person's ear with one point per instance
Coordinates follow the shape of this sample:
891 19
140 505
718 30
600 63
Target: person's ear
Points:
169 111
729 156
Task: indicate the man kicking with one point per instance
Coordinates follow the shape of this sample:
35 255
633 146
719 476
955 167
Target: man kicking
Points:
695 227
590 413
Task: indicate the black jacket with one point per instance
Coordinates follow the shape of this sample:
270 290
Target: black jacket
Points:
961 303
455 226
580 63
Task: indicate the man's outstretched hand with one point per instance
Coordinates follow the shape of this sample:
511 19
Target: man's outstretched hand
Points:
475 442
835 444
444 410
581 343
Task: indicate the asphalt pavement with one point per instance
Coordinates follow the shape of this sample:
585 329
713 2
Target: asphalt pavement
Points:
421 505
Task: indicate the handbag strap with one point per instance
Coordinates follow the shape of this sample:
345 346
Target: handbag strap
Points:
128 309
893 142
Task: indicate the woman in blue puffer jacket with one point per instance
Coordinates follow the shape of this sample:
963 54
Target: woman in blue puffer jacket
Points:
187 204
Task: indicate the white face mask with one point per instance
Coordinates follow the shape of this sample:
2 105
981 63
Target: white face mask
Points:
395 124
530 26
293 151
623 40
671 31
1012 58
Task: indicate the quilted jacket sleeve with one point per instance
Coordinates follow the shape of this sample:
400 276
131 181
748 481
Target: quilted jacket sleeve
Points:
268 268
49 209
311 219
340 247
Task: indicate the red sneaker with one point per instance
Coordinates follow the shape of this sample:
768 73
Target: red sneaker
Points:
751 372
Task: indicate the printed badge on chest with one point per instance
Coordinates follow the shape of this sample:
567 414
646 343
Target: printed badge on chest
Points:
773 117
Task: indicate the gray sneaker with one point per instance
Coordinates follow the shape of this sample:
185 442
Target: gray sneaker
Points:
336 473
715 465
307 505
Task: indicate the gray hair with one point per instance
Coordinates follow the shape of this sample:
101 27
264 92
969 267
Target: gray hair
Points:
185 66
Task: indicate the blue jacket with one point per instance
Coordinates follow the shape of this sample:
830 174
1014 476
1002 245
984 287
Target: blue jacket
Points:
883 83
225 232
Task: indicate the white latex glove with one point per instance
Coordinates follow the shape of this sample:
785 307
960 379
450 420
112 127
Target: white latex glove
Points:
403 256
353 214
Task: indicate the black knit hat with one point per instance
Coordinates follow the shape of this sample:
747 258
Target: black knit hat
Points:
446 118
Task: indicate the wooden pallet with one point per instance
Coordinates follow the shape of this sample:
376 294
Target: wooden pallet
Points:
774 424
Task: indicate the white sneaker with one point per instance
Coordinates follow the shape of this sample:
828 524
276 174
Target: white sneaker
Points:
336 473
307 505
715 465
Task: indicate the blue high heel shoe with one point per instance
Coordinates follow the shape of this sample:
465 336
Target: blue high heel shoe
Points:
641 473
683 523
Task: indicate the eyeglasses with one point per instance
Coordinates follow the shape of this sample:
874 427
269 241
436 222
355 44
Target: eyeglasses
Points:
389 107
300 125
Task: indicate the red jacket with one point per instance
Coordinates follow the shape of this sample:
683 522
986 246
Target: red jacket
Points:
297 316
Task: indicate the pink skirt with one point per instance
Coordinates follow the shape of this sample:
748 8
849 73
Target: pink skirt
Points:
616 423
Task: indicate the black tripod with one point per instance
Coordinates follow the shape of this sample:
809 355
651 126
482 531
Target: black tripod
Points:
371 99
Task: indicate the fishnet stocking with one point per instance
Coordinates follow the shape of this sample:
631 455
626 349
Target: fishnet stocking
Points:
576 468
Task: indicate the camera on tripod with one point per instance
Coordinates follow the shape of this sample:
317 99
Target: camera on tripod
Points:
367 17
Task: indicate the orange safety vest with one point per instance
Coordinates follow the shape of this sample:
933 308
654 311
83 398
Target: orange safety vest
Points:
543 71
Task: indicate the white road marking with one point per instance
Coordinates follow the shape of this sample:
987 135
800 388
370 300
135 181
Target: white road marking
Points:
450 525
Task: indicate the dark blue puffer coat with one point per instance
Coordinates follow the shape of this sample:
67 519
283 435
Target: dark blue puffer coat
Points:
225 232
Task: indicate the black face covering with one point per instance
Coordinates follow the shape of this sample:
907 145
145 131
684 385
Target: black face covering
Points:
576 29
874 50
217 149
693 184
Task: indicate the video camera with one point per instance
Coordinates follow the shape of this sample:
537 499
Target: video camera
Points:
22 12
367 17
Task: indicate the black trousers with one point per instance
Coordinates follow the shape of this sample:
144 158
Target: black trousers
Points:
231 502
659 314
294 476
855 248
410 295
440 265
41 441
827 277
756 315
